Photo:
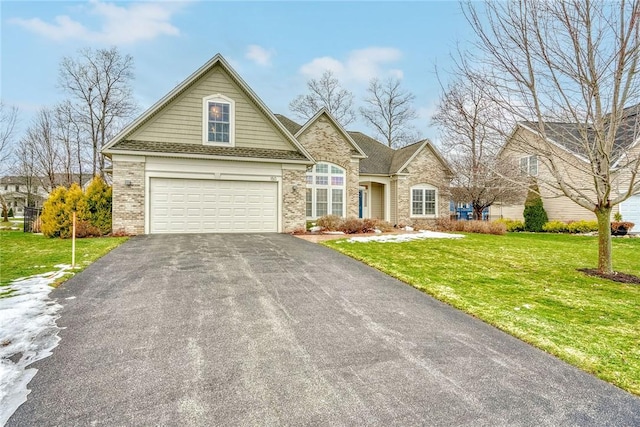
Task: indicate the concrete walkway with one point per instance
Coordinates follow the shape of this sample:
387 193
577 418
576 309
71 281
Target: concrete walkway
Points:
262 330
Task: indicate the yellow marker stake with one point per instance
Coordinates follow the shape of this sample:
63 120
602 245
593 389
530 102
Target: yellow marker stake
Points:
73 243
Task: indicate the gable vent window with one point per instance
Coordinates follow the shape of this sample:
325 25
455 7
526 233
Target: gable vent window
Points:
219 121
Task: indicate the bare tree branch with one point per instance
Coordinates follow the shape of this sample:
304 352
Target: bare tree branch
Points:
328 93
99 84
568 71
389 111
469 124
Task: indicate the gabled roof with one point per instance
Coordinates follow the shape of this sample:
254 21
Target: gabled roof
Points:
216 61
291 126
379 159
570 136
379 156
324 112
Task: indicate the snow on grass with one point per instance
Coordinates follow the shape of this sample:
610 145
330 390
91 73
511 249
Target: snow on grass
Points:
397 238
28 333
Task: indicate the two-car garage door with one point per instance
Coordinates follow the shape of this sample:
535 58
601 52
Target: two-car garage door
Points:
212 206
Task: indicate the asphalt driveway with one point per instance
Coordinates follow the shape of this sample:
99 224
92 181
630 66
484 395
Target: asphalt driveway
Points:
273 330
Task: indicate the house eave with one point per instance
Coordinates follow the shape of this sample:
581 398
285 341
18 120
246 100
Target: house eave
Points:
208 157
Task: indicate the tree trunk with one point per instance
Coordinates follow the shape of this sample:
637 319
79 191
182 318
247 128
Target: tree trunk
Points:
477 213
605 264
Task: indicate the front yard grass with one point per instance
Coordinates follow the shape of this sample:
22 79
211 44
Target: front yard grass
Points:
26 254
527 285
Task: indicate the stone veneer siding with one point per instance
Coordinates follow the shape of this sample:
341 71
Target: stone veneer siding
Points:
293 201
326 144
128 202
424 169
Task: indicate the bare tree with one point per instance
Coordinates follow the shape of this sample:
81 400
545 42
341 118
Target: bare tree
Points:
389 111
576 61
68 133
8 119
40 140
470 125
328 93
26 168
99 84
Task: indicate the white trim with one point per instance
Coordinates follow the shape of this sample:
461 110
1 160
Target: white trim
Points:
221 99
423 186
210 157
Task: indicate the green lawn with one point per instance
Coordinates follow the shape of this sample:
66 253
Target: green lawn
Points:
527 285
26 254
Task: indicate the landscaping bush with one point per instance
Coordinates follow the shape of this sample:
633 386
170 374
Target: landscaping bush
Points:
98 205
352 226
329 222
511 225
93 211
10 213
480 227
582 226
555 227
534 214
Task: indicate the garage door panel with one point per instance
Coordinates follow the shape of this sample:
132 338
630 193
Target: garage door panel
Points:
196 206
630 210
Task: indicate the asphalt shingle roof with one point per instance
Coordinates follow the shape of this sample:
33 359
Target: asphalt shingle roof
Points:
381 159
571 135
180 148
379 156
289 124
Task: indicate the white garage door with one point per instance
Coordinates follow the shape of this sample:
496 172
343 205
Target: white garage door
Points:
209 206
630 210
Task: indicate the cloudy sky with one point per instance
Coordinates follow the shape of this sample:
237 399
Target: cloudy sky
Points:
275 46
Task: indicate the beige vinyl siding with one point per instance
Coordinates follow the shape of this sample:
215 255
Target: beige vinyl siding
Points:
574 172
181 119
377 201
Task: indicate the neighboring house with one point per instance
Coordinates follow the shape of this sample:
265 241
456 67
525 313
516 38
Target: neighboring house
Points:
464 211
573 162
211 157
18 193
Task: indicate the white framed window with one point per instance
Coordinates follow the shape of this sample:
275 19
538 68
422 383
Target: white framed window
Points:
326 190
529 165
424 201
218 119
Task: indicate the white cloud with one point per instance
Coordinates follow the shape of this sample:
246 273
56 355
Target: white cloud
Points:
120 24
360 65
259 55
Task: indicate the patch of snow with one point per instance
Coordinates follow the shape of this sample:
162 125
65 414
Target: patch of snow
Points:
408 228
375 230
397 238
315 229
336 233
28 333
